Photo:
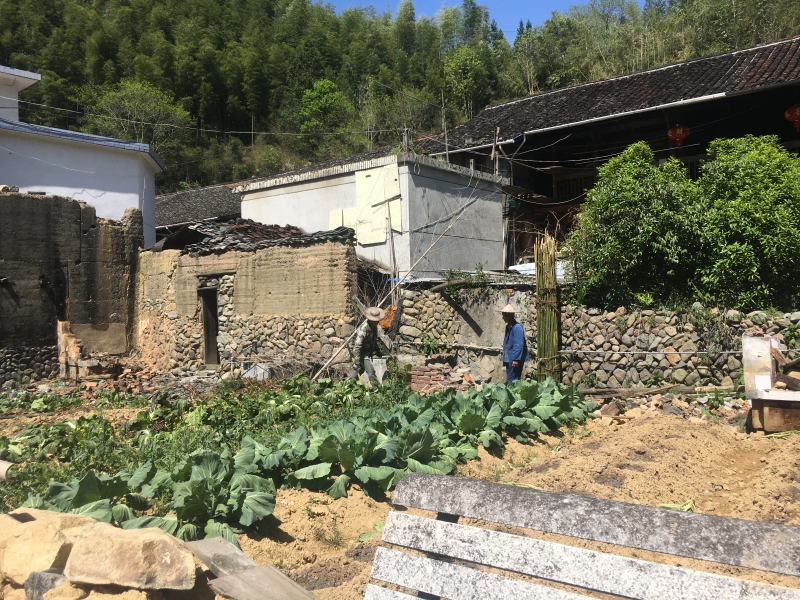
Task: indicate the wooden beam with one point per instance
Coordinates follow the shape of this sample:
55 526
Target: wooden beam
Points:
220 556
263 582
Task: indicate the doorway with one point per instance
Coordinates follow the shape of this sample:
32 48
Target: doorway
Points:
208 303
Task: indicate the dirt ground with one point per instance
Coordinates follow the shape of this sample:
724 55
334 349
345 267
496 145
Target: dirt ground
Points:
645 457
651 459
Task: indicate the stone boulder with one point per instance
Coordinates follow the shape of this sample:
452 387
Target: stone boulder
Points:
69 591
36 540
135 558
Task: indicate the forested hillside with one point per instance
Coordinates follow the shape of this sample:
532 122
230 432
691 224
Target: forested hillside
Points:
195 77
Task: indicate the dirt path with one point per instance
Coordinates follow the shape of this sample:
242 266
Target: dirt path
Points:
652 459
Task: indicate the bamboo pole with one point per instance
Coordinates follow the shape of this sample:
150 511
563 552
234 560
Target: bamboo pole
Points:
546 308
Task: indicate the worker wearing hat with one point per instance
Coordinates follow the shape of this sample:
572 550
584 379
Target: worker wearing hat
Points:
515 348
366 345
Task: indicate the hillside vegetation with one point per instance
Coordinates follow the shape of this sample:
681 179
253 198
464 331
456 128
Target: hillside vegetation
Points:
195 77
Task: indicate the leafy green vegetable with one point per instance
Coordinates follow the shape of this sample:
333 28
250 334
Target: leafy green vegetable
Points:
344 435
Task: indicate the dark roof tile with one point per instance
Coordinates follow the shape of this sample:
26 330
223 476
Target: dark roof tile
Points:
213 202
730 72
203 237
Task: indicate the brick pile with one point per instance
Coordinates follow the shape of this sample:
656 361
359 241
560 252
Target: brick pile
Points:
440 372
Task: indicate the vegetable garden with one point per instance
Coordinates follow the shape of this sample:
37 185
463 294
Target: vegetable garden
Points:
213 466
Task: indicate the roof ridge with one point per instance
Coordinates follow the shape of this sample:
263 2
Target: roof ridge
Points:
642 72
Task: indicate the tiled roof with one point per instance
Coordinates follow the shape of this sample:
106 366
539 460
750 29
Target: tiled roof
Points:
726 74
204 237
213 202
79 136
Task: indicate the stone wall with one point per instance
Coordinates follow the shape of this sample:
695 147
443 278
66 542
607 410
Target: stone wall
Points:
600 349
58 261
305 293
22 364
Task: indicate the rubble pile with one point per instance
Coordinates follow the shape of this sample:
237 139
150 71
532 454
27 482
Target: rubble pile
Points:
248 236
440 372
48 555
719 406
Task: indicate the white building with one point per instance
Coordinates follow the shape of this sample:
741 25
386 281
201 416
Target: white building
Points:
399 205
109 174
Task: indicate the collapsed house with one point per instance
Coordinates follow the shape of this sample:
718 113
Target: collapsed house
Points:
66 277
238 294
212 203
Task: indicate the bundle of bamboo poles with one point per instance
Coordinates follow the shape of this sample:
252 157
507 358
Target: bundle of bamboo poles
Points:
547 313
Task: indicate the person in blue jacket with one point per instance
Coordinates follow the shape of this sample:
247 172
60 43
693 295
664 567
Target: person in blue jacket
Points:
515 348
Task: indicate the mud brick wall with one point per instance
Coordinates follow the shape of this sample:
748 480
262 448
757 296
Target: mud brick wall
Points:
58 261
279 303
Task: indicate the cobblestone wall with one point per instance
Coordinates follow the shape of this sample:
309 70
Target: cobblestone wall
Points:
22 364
600 349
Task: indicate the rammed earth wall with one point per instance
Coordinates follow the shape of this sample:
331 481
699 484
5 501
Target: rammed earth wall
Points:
279 303
624 348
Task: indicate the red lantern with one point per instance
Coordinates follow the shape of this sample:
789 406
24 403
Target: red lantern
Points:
793 114
678 133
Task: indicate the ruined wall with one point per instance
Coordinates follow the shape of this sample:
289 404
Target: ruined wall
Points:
282 302
624 348
59 262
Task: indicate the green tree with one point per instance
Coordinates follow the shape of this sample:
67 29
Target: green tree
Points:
466 77
324 108
638 234
752 225
138 112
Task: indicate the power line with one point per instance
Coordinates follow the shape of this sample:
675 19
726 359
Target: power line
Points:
190 128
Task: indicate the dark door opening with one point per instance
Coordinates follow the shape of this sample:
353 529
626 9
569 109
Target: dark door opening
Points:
208 301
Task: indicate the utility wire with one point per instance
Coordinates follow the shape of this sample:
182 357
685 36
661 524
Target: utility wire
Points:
190 128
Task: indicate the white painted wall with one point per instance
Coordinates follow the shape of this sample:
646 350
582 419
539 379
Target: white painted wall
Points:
12 82
436 197
430 196
306 205
109 179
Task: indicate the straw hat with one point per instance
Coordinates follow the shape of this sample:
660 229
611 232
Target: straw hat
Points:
508 309
374 313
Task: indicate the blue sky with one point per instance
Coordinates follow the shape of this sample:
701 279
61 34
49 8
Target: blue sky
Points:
507 13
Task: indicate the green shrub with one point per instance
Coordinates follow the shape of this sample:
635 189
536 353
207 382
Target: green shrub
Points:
648 234
638 234
751 241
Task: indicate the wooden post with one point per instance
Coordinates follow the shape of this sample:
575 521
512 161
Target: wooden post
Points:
547 313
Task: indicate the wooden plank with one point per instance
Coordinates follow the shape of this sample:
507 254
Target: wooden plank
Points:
719 539
263 582
455 582
588 569
220 556
375 592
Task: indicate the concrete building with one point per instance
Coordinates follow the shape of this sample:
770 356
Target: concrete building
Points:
109 174
398 205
